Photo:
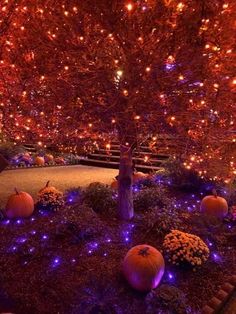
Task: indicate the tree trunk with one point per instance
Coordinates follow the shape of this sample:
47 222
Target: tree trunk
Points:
125 194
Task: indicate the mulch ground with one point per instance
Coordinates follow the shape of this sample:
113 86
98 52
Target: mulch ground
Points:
70 262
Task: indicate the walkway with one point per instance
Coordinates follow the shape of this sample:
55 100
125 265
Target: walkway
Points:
32 180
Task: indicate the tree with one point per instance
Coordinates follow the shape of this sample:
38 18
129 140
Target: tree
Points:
126 70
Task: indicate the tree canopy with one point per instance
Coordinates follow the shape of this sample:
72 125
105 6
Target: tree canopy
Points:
85 71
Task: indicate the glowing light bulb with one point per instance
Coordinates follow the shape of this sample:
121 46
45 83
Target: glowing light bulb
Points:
119 73
180 6
181 77
125 92
148 69
129 6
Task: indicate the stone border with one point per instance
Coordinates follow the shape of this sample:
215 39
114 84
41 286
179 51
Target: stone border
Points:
216 303
44 166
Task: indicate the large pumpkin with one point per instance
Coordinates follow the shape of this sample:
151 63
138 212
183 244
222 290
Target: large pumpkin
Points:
48 158
137 176
143 267
20 204
39 161
214 205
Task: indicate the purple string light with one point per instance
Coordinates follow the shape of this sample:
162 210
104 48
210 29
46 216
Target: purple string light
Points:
56 262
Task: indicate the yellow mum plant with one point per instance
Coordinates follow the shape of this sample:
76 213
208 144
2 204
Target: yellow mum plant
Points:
185 247
50 198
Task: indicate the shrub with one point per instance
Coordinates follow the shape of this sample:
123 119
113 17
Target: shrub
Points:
146 182
99 197
9 150
73 195
185 247
171 298
182 178
77 226
148 198
50 199
160 221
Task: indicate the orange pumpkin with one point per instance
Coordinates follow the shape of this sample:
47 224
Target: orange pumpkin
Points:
114 184
48 188
27 155
60 161
20 204
39 161
143 267
49 158
214 205
137 176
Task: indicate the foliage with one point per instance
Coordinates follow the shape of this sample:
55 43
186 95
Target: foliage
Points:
9 150
146 182
171 297
50 199
185 247
107 81
160 221
77 228
151 197
99 297
99 197
182 178
73 195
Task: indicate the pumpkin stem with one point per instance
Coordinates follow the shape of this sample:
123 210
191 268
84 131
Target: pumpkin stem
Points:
214 192
144 252
16 191
47 184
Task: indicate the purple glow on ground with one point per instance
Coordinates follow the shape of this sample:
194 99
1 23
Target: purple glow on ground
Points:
21 240
216 257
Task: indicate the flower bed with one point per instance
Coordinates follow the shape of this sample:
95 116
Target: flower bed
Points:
71 259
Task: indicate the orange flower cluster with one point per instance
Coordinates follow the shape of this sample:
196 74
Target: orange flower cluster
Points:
185 247
51 198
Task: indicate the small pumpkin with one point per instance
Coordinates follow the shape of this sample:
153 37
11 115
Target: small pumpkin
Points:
143 267
60 161
114 184
39 161
26 159
27 155
20 204
214 205
49 158
48 189
137 176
